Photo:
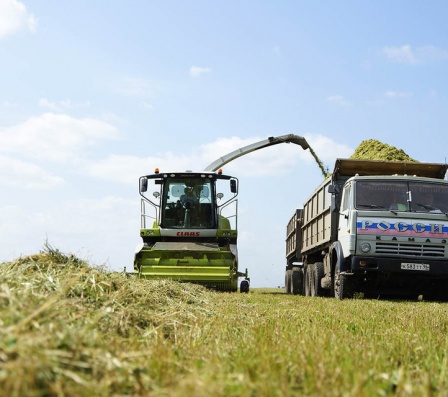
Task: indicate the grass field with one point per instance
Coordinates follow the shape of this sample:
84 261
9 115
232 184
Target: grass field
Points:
67 329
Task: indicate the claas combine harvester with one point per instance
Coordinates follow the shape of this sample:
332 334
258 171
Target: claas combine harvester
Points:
189 224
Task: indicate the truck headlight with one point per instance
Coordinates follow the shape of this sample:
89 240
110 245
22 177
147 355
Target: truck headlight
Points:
366 247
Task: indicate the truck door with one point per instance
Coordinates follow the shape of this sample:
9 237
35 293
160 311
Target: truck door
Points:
345 215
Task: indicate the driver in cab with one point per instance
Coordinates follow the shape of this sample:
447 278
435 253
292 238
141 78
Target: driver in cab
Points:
188 199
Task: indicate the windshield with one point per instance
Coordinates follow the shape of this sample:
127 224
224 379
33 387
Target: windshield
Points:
413 196
187 203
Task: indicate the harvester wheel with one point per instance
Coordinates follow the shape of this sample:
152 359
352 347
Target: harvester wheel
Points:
244 286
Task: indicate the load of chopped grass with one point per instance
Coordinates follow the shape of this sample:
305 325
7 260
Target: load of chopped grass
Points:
372 149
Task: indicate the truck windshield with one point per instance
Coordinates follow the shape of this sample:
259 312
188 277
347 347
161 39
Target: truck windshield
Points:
415 196
188 203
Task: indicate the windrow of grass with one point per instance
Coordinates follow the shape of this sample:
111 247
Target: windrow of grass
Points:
69 329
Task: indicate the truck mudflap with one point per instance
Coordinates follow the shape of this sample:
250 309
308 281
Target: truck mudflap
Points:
200 263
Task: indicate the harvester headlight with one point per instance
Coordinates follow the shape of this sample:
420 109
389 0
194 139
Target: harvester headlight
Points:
366 247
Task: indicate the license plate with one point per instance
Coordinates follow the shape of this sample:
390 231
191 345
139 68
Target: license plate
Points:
415 266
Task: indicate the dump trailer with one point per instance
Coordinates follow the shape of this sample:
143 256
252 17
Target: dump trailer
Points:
379 228
189 223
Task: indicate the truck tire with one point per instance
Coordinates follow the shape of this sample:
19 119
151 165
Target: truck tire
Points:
309 287
318 274
438 292
297 281
343 286
288 281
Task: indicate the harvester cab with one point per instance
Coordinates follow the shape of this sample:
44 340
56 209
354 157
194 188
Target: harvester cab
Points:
189 229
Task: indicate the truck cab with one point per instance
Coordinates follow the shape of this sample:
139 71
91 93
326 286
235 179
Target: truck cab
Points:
393 228
376 227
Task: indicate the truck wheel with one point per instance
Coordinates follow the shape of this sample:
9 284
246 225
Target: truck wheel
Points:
297 281
288 281
318 274
244 286
309 288
342 286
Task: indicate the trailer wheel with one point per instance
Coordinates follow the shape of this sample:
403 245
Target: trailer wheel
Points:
318 274
342 286
297 281
288 281
309 287
244 286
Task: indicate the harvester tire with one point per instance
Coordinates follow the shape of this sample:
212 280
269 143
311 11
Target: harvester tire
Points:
244 286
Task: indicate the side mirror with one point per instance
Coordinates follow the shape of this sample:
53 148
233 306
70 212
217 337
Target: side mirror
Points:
334 205
143 185
331 189
233 187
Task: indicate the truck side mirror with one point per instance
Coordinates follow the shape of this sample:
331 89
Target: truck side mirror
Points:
143 185
233 187
333 204
331 189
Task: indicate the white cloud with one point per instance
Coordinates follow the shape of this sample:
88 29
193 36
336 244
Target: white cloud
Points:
134 87
8 105
23 174
388 95
64 104
45 103
197 71
14 17
119 168
278 50
409 55
403 54
396 94
339 100
327 149
93 216
54 137
276 160
127 169
430 52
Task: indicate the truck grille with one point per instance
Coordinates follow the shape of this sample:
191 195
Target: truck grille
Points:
420 250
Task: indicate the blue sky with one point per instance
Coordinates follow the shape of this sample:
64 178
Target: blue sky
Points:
94 94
